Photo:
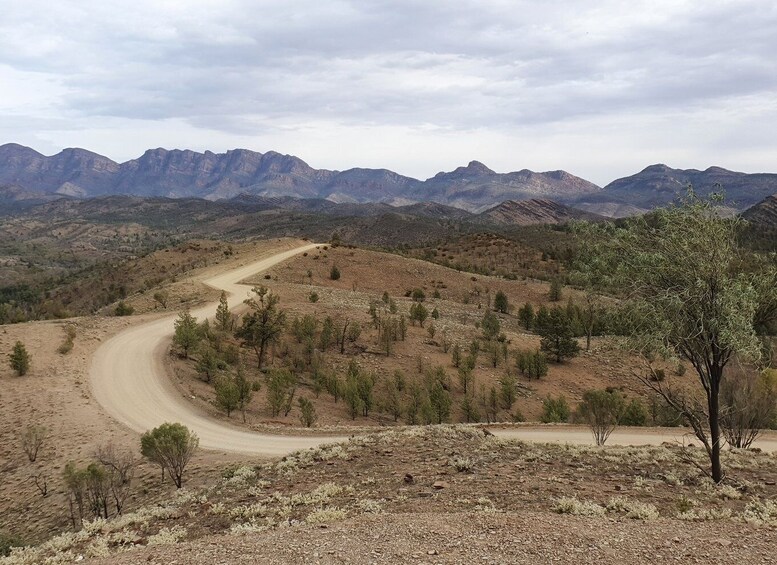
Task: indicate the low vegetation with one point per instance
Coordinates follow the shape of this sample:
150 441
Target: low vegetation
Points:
363 476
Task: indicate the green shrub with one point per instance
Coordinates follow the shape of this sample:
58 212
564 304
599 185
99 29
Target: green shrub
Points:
555 410
635 414
19 359
123 309
7 542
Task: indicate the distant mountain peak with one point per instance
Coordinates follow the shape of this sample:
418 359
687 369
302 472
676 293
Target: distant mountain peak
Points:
479 168
656 168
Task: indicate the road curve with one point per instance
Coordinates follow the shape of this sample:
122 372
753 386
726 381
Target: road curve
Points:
128 379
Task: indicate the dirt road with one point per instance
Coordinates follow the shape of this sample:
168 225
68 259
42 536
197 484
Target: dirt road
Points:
581 435
128 379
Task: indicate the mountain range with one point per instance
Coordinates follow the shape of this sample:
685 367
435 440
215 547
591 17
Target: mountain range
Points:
30 177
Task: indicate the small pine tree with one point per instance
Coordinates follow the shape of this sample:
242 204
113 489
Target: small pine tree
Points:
556 290
542 318
501 304
245 390
418 313
440 401
19 359
223 316
526 316
227 394
490 325
557 338
469 409
307 416
507 391
187 332
555 410
456 356
334 273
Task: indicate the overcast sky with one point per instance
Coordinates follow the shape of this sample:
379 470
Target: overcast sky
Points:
598 88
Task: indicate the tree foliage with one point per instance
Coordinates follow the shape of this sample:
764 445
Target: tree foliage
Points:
171 446
281 386
263 325
223 315
490 325
557 336
187 332
19 359
601 410
748 405
526 316
555 410
692 293
227 394
501 303
531 363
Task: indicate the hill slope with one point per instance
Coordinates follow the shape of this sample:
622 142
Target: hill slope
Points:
531 212
763 214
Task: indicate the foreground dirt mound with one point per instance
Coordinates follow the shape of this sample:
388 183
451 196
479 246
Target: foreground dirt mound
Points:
474 537
449 494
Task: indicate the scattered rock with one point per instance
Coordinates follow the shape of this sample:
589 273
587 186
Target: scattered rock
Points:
409 479
439 485
724 542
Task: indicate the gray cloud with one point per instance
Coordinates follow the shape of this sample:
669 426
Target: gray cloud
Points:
255 68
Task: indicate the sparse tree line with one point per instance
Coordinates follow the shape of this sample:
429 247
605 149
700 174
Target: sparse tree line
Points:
299 348
63 297
101 487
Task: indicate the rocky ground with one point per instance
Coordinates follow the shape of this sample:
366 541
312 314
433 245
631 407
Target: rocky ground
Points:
451 494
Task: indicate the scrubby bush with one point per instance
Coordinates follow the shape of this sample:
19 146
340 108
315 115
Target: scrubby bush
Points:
490 325
308 416
418 295
601 410
501 303
7 543
532 364
33 439
19 359
123 309
67 345
555 410
635 413
171 446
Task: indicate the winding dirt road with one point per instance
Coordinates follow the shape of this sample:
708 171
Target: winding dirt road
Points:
128 379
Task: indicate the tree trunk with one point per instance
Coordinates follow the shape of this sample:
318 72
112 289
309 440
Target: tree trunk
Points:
713 403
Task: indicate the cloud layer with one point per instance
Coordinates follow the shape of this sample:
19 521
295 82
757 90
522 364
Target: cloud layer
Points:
600 88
